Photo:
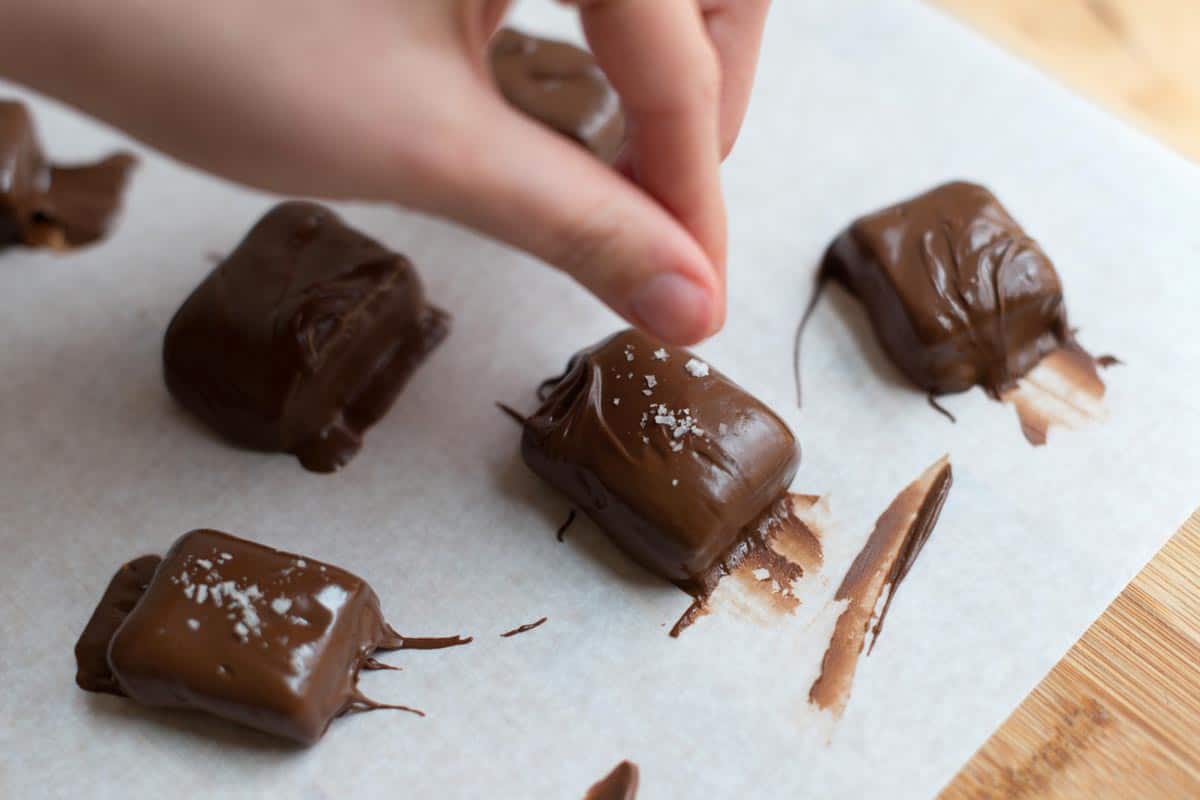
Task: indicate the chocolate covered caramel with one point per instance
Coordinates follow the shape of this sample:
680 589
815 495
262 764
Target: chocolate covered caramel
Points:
302 338
673 460
956 291
50 205
269 639
561 86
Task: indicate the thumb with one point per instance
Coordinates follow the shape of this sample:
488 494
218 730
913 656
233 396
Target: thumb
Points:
519 182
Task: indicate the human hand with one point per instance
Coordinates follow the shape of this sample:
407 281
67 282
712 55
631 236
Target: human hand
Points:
391 100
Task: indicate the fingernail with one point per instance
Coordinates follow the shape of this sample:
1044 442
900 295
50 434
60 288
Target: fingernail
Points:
674 308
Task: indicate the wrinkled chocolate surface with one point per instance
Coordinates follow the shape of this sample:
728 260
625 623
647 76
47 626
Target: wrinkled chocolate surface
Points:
302 338
561 86
958 294
51 205
668 456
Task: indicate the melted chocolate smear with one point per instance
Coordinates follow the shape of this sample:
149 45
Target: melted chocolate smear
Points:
900 533
773 554
938 407
524 628
360 703
397 641
1064 390
620 784
91 651
562 529
818 291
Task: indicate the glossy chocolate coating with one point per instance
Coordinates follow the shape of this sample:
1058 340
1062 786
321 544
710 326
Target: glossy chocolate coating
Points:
49 205
561 86
672 467
91 651
302 338
269 639
957 293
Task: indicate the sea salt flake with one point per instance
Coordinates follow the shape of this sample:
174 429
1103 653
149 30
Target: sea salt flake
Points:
646 439
204 562
761 574
647 392
651 381
241 630
280 605
189 591
676 447
201 593
616 401
697 368
301 563
301 621
194 624
675 482
661 354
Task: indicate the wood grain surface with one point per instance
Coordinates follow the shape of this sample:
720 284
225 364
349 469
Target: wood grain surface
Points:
1120 715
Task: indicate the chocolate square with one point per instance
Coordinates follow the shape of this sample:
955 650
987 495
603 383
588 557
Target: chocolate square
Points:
302 338
561 86
269 639
91 651
669 457
958 294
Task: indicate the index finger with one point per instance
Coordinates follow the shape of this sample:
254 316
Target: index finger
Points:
659 58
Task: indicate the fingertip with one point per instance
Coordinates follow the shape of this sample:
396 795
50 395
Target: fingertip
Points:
675 308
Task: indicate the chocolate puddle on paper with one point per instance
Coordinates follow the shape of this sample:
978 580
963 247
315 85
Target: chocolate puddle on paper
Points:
269 639
620 784
51 205
959 295
874 576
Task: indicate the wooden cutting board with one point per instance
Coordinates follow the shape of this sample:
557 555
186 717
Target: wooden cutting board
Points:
1120 714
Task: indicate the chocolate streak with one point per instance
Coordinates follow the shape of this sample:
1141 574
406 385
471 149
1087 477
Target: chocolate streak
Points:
524 628
302 339
561 86
269 639
900 533
49 205
620 784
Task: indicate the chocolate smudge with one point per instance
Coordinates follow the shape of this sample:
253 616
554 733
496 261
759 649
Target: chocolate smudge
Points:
562 529
620 784
375 664
1064 390
360 703
773 553
524 628
1104 362
818 291
512 412
876 573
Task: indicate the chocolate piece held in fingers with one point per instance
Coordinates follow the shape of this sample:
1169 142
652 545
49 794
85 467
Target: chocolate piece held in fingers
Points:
958 294
302 338
561 86
673 460
51 205
262 637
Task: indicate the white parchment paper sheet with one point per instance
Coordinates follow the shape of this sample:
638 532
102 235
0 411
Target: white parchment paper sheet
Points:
859 103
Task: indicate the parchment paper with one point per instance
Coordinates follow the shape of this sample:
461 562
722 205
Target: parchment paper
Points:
859 104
